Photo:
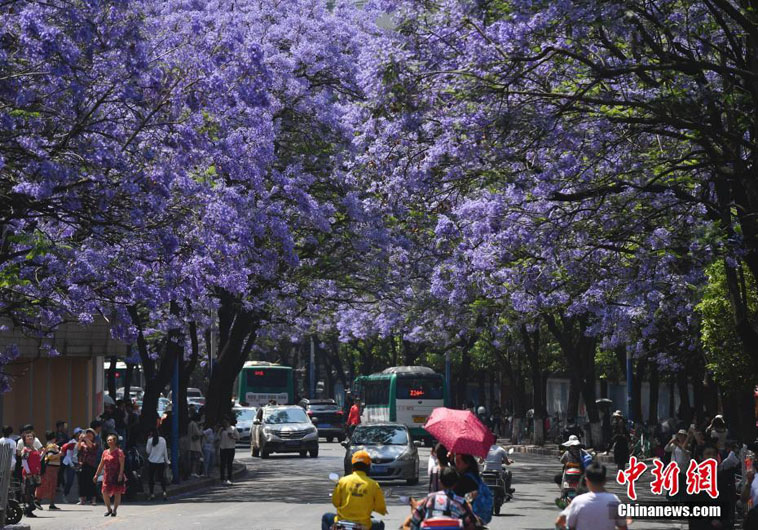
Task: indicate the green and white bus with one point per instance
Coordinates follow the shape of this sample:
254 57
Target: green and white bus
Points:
260 382
402 394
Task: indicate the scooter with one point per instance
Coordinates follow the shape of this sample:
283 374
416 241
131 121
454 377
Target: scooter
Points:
345 524
495 479
572 475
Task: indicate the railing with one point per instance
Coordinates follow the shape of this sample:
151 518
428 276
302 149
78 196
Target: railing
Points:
6 457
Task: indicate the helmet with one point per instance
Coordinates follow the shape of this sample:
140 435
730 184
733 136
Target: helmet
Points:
361 456
481 410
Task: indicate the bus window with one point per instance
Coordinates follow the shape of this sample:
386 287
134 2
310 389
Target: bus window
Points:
419 388
377 392
262 378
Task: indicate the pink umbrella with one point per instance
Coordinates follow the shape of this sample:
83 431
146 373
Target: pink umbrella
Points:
460 431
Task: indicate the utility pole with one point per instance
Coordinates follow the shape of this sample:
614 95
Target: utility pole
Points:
629 380
312 372
175 422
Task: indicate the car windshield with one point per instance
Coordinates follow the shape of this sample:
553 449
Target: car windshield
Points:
380 435
294 415
244 414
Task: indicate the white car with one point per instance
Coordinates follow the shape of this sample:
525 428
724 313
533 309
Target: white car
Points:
283 429
244 417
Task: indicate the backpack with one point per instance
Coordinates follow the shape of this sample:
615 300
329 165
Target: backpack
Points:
482 505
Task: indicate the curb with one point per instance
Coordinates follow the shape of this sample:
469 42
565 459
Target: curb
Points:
238 470
553 451
19 526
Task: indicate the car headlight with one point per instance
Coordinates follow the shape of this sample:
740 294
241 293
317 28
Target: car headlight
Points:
407 455
311 430
268 431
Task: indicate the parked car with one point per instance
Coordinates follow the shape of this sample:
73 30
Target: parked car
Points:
135 393
327 416
194 397
394 455
283 429
245 417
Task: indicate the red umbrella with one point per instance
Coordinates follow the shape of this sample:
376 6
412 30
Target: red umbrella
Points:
460 431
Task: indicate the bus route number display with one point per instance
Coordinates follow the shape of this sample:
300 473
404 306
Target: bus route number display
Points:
416 393
259 373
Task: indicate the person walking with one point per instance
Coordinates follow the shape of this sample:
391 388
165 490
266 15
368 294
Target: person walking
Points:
69 463
51 455
114 484
87 452
354 417
195 434
10 442
590 511
31 465
621 440
157 458
228 437
210 441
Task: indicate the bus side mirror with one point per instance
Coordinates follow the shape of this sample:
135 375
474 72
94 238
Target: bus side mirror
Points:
257 422
417 443
345 443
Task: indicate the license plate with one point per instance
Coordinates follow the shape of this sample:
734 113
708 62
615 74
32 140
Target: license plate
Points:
378 469
292 443
323 425
420 419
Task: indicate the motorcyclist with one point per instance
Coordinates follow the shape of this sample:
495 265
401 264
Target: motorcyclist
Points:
481 413
356 496
496 458
573 456
444 503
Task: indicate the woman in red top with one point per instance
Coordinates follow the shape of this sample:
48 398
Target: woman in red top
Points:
113 478
354 417
31 464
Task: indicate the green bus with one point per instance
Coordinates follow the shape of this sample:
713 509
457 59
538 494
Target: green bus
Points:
260 382
402 394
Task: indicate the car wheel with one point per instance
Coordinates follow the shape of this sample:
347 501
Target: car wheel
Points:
314 453
340 439
329 439
412 481
303 454
256 451
496 508
264 453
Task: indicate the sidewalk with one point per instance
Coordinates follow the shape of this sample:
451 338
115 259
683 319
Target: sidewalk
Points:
239 470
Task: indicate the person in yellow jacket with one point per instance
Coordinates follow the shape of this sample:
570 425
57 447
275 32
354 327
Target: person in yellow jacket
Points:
356 496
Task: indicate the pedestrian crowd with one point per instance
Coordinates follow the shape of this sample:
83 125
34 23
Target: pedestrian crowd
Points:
108 459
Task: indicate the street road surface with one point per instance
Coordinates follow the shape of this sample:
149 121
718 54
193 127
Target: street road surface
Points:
286 492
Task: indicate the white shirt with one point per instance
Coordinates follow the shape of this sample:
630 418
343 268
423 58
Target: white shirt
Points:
158 453
430 465
590 511
12 444
20 445
495 458
228 438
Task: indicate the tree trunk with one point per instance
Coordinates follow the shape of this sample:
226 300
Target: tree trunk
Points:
461 379
237 332
654 385
531 341
685 411
128 381
572 408
112 377
636 412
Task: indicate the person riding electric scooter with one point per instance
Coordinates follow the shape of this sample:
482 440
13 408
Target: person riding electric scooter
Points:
574 461
356 496
497 477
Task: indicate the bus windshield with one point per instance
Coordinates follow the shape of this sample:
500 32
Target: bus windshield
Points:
380 435
266 377
419 387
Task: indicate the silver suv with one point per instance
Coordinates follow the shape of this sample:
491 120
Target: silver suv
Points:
283 429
